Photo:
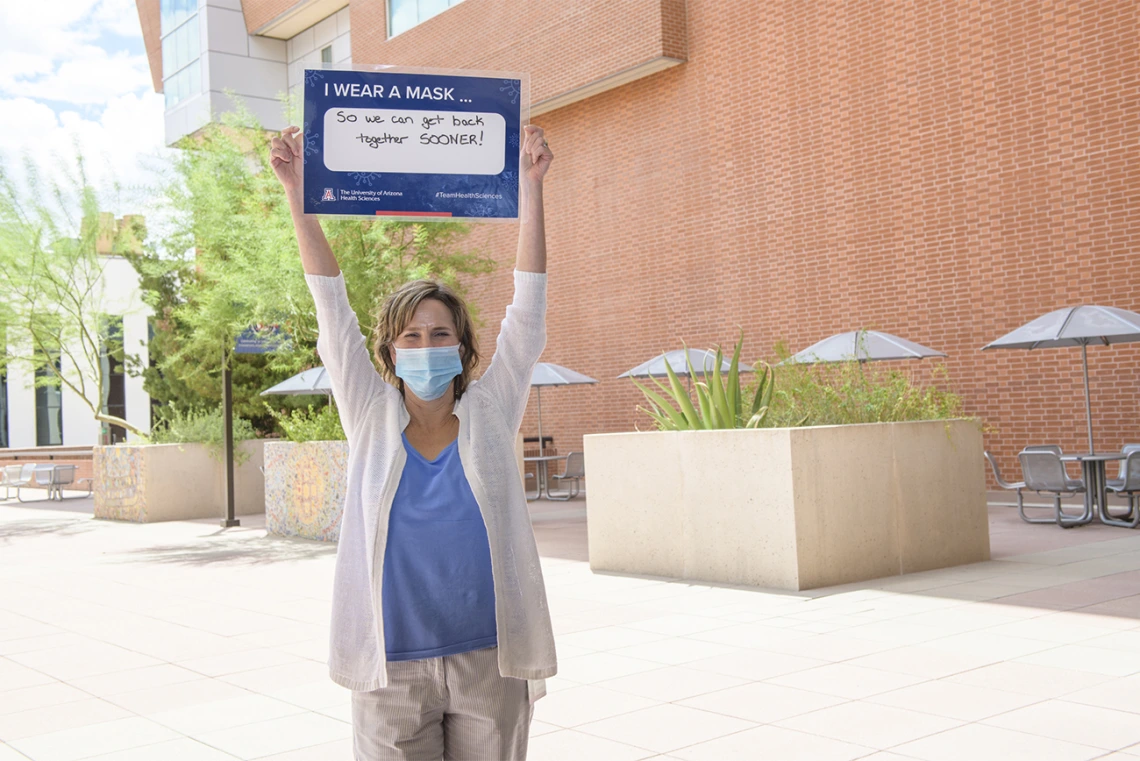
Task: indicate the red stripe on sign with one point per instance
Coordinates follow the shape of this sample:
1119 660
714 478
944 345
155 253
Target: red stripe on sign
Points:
413 213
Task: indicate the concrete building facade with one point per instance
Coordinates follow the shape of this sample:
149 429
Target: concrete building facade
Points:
942 171
59 416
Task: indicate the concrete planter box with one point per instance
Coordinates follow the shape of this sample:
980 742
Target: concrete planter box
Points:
304 488
173 482
788 508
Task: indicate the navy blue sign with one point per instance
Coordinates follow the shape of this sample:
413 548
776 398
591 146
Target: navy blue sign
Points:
411 145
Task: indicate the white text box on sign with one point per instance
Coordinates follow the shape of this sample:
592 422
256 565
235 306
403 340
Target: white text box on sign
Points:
414 142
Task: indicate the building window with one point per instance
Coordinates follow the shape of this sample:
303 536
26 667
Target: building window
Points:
114 378
4 409
181 45
404 14
173 12
326 54
49 408
4 443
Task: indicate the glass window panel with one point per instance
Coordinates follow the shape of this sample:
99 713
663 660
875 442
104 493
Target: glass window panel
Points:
429 8
194 80
4 408
404 15
193 41
49 409
326 54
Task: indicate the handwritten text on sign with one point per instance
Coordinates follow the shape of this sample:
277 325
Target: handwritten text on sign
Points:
414 142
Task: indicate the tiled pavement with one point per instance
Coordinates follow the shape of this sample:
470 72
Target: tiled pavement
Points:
182 641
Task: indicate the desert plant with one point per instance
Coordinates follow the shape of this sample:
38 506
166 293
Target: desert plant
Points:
720 399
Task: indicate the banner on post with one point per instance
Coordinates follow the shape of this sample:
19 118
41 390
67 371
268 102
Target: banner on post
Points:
413 143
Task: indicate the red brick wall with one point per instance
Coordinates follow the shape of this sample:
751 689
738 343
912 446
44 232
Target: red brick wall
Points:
941 170
563 45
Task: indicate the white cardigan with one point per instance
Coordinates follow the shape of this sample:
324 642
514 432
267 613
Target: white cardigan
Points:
490 412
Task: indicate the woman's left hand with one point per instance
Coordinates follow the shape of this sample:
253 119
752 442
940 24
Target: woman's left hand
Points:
536 155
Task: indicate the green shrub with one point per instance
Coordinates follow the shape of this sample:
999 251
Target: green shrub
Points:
843 393
202 427
308 424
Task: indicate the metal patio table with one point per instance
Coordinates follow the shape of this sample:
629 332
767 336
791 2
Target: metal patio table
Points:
541 465
1093 471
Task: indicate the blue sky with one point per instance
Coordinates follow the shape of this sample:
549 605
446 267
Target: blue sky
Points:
76 71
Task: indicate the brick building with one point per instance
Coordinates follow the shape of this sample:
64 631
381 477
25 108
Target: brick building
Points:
944 171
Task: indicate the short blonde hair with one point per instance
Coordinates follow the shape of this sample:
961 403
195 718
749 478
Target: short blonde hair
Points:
397 311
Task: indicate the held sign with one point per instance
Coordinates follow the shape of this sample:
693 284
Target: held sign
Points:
403 144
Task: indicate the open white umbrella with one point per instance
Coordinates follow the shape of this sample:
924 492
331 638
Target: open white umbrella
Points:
864 346
702 360
312 381
1075 326
549 374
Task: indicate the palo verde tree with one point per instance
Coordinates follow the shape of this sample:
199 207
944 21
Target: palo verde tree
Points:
57 307
229 261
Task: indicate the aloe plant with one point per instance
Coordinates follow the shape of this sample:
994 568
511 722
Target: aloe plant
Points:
720 400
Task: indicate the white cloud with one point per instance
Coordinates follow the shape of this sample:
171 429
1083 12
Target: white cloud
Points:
121 147
73 72
90 75
120 17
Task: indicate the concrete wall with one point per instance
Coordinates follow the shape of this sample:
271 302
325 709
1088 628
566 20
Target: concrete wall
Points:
251 68
167 482
788 508
305 49
304 487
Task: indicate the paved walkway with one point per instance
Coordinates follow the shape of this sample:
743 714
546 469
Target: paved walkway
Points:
181 641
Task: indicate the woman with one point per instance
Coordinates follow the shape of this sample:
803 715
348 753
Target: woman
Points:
440 625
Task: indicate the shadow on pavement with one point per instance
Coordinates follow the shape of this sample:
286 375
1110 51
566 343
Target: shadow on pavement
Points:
235 550
12 530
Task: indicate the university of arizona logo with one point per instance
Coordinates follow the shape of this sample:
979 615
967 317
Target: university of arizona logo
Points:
329 195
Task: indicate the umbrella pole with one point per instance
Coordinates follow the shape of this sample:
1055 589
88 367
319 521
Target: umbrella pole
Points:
538 392
1088 402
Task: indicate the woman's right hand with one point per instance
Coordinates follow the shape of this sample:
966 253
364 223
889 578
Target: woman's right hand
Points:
285 156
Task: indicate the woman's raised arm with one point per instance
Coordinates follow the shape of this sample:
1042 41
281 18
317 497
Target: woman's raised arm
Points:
536 158
522 336
317 257
340 344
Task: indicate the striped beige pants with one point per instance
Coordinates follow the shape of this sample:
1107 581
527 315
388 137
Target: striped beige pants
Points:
455 707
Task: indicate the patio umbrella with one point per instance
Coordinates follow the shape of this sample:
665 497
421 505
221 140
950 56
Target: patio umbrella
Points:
549 374
312 381
701 359
1075 326
864 346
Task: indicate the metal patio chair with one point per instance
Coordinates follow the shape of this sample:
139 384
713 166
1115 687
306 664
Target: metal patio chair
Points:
527 478
61 476
1127 482
1044 473
1014 486
18 476
574 471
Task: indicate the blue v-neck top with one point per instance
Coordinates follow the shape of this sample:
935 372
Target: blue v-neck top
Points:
438 595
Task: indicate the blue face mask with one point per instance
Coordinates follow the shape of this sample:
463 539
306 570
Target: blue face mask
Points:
428 372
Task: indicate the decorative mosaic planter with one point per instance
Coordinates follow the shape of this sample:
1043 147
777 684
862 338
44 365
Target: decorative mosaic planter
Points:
788 508
304 488
172 482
